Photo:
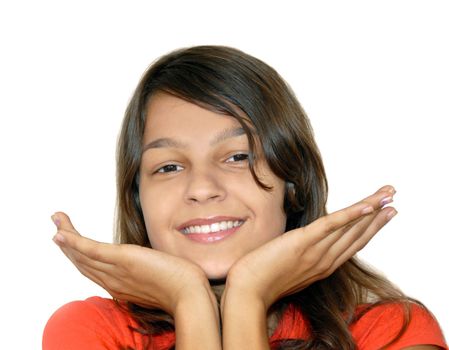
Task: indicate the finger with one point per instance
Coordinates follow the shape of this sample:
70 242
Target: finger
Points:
62 221
381 197
384 216
337 222
93 273
81 260
342 238
321 256
387 188
104 279
352 235
378 200
375 201
107 276
337 244
346 248
322 227
98 251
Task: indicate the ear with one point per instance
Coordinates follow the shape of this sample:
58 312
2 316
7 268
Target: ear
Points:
291 199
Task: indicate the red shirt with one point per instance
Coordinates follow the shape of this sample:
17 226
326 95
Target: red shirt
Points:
99 323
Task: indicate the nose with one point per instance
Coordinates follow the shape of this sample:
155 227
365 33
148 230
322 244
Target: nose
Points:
204 186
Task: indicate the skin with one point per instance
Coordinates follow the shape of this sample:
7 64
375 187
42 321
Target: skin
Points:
205 178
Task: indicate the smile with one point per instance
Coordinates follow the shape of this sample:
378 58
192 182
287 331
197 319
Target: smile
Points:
215 227
211 230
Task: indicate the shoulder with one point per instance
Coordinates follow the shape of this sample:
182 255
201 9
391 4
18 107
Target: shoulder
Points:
383 323
92 323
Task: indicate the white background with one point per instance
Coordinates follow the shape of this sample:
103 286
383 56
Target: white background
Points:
372 75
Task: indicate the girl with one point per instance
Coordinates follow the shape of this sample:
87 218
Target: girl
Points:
222 228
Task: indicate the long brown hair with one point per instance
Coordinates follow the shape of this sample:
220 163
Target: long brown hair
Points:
229 81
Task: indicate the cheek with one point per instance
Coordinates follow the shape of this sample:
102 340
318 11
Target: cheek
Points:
156 211
274 219
274 208
272 201
267 207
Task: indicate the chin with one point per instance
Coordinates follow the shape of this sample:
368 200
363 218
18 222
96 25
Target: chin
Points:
216 273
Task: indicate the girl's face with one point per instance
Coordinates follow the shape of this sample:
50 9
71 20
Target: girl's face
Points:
198 197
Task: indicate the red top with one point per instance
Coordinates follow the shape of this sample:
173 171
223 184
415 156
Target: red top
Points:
99 323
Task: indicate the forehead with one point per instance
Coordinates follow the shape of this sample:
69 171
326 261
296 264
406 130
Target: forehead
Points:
170 116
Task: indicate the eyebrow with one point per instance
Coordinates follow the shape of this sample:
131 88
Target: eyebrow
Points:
169 142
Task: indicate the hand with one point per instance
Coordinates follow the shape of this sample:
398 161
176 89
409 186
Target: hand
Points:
297 258
138 274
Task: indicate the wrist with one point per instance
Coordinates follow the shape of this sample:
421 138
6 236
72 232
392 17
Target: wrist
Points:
241 291
238 301
197 314
244 318
201 297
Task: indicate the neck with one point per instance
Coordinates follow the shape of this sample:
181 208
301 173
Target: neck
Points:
218 288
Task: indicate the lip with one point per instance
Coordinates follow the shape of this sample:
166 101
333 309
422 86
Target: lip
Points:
213 236
208 221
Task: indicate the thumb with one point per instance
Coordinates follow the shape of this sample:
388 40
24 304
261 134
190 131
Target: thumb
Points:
62 222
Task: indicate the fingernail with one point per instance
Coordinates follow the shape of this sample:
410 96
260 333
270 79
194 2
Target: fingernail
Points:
386 200
391 214
58 238
367 210
392 190
56 221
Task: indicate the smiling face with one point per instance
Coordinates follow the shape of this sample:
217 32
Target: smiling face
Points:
198 197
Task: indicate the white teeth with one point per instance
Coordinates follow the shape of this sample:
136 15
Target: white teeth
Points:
215 227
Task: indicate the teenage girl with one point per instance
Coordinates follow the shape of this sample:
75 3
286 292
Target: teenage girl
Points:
223 239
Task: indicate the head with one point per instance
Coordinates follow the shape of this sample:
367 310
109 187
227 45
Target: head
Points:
239 147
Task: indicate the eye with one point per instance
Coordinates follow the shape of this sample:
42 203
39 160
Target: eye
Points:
239 157
169 168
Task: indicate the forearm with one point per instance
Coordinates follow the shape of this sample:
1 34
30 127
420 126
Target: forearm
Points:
244 322
197 323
